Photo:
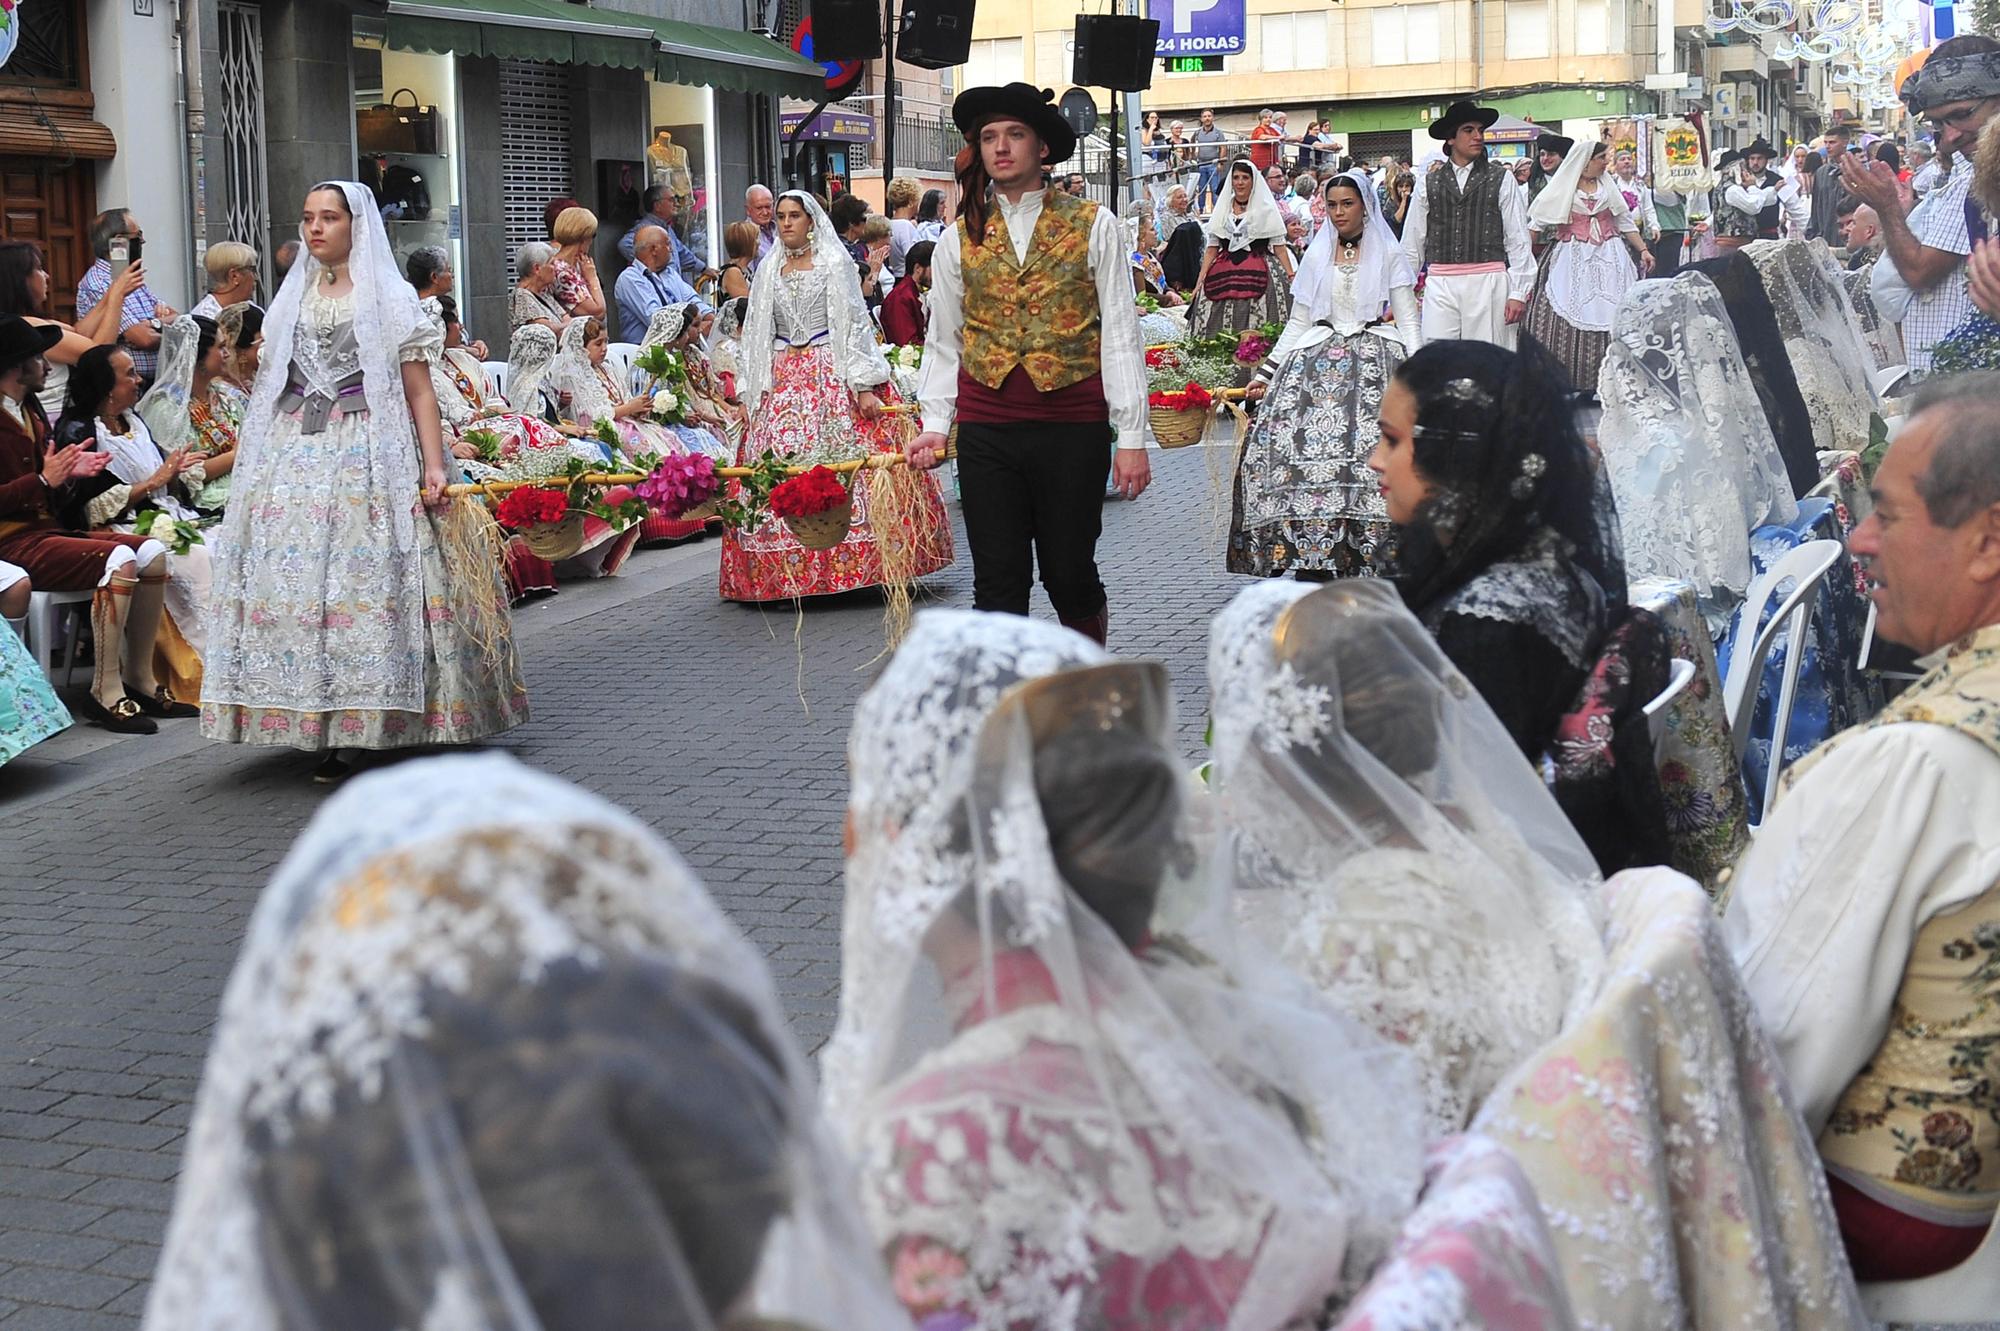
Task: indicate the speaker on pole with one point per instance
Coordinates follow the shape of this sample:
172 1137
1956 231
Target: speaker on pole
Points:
1116 51
935 34
846 29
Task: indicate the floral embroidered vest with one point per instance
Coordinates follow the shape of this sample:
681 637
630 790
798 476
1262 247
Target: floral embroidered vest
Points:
1922 1119
1042 315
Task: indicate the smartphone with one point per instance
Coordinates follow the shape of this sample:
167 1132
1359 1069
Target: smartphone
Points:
137 245
121 256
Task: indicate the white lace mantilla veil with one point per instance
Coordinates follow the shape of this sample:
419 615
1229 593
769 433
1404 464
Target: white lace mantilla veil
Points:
1686 444
1261 219
385 313
857 358
1073 1133
532 1069
666 324
571 372
1829 353
1380 269
452 406
1381 833
1553 205
165 406
531 354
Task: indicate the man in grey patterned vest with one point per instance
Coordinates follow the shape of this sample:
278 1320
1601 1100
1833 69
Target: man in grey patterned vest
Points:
1468 225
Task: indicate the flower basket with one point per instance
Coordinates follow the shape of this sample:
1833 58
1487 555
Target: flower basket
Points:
825 529
707 512
554 540
1177 429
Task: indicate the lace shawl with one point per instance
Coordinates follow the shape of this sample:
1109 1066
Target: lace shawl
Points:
1686 446
572 373
857 358
1829 355
1260 219
1380 269
165 406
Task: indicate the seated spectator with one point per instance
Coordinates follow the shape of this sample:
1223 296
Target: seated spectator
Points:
739 243
141 316
430 272
283 258
660 212
900 206
149 477
577 287
933 215
24 293
33 713
534 300
584 1074
648 284
904 314
231 270
1866 914
1860 232
38 482
760 211
874 241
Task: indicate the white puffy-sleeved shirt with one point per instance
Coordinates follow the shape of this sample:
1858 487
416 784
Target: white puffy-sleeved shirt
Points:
1513 229
1894 828
1121 353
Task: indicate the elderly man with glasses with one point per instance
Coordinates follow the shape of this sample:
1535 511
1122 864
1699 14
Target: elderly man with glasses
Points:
1922 269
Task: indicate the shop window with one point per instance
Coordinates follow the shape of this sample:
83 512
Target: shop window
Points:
680 155
405 110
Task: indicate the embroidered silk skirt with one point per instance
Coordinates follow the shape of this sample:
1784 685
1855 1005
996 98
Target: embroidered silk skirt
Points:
805 403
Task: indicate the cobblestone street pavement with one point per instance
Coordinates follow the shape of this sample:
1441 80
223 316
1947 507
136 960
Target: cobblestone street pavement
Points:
128 866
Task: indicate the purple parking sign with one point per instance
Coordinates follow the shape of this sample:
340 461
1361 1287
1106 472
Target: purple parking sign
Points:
1198 27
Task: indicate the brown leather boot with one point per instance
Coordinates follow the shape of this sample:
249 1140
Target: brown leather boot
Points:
1094 627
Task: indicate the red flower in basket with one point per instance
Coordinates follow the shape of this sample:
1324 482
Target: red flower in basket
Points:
531 506
1193 397
815 491
1159 356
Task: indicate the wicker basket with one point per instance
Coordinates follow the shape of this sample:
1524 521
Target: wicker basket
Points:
823 531
1177 429
702 512
555 540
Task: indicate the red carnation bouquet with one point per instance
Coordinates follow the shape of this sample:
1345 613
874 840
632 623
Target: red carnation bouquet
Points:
816 490
532 506
1191 398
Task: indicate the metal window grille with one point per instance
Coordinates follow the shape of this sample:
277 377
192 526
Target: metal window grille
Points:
240 108
534 148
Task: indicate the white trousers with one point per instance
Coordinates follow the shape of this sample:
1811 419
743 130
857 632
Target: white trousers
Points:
1467 305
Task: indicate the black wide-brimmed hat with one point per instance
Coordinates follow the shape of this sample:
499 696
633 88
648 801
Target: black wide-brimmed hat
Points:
1761 147
20 339
1551 142
1729 159
1032 106
1459 113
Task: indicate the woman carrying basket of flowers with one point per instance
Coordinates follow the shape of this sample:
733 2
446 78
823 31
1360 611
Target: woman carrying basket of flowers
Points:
815 384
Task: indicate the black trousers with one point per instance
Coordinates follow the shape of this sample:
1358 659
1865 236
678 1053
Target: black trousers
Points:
1034 493
1667 253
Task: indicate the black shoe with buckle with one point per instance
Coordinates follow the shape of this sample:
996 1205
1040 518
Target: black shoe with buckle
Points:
123 716
163 704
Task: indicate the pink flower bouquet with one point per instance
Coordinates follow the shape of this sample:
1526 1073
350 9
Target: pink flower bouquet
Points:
682 483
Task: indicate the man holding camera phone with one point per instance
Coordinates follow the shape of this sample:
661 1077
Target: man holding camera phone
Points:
118 241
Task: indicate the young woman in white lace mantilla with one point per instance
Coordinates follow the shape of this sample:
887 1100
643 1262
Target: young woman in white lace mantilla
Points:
336 620
1595 254
1110 1128
1305 501
501 1062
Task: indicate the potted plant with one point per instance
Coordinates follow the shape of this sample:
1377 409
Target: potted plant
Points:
816 506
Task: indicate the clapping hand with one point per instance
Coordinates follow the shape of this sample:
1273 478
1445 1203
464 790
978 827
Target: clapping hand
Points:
1983 273
63 465
1873 183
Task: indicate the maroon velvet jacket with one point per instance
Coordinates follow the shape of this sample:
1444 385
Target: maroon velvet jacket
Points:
903 318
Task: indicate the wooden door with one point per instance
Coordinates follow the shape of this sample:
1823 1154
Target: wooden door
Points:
53 206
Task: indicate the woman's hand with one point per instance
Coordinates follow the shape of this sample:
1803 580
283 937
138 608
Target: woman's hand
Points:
868 405
1645 261
635 406
461 449
434 483
477 348
176 463
1255 392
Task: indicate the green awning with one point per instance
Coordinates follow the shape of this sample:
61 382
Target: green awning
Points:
546 30
730 59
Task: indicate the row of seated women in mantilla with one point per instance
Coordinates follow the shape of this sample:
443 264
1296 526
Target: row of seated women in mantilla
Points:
1353 1036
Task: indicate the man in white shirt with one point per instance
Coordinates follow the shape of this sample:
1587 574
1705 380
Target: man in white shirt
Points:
1866 914
1040 363
1957 91
1468 223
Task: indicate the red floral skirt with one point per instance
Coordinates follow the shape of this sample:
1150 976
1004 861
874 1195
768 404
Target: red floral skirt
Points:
767 563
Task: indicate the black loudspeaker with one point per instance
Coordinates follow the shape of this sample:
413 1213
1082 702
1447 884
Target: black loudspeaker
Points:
846 29
1115 51
935 34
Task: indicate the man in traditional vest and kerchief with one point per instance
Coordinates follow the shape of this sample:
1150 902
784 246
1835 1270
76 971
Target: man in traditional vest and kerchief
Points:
1034 347
1468 225
1866 915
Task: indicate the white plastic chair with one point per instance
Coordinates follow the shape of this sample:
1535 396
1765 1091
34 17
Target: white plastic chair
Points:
619 357
1962 1296
1809 564
1680 675
1868 650
45 615
496 374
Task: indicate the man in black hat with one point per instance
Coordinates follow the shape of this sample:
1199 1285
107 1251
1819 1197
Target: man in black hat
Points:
1752 200
1034 347
37 483
1468 225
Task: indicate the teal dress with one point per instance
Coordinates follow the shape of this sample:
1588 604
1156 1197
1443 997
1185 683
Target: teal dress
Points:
30 712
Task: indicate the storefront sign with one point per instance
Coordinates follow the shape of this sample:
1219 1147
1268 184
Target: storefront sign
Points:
1198 27
838 126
